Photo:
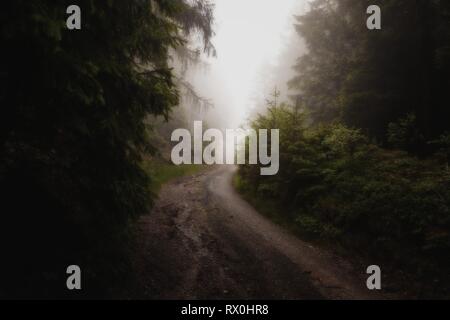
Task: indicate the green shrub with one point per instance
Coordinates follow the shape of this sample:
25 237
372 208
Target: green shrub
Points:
334 184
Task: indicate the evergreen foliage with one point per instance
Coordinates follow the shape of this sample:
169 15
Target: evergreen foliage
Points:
73 131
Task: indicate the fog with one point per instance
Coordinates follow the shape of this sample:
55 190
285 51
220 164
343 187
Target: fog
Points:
256 47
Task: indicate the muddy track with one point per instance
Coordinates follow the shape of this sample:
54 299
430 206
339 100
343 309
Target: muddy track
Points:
202 241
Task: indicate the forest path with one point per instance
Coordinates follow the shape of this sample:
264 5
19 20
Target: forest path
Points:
203 241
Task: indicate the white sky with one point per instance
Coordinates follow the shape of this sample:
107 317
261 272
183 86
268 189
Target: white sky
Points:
249 35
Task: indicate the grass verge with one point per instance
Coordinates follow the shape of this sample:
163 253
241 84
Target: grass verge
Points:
162 172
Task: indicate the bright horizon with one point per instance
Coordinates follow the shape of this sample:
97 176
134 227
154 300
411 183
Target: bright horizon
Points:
250 35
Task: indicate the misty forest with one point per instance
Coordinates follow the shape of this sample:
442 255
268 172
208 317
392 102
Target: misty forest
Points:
364 148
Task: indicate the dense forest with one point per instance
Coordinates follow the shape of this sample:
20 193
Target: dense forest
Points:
365 141
85 141
74 130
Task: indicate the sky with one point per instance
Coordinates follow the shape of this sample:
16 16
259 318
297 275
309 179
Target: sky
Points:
251 36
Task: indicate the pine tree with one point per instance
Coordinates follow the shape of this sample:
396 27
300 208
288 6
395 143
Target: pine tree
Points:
72 130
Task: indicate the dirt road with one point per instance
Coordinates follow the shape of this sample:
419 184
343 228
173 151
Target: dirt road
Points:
202 241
